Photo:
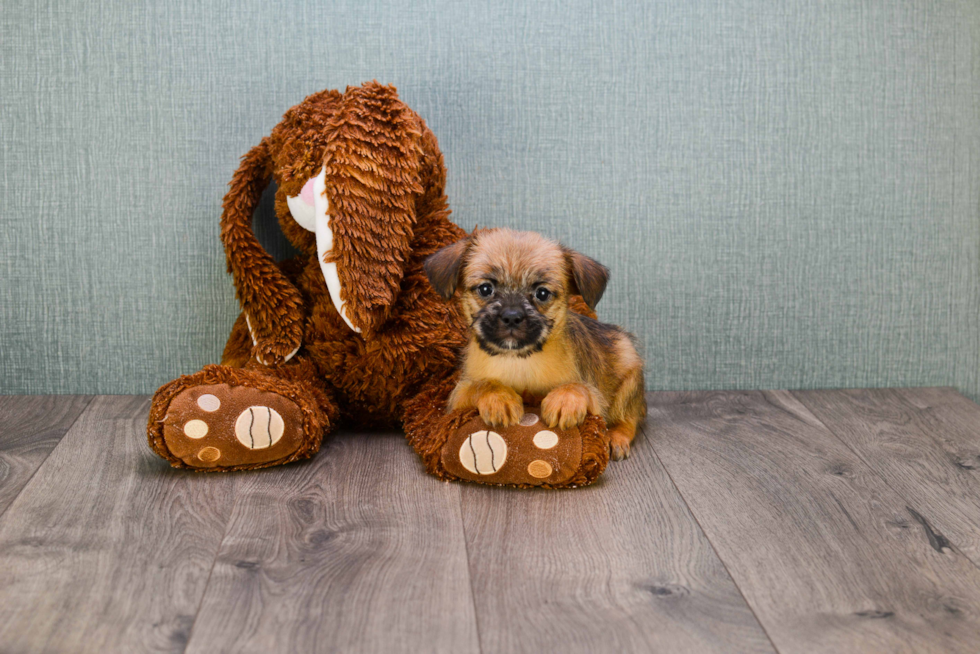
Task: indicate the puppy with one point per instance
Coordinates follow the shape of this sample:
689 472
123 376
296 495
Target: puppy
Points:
515 292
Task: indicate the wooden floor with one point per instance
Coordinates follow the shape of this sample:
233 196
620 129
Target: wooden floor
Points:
819 521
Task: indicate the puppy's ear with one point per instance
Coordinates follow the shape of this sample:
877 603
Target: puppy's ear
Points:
589 277
443 267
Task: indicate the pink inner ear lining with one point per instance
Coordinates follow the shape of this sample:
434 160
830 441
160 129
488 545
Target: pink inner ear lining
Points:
307 193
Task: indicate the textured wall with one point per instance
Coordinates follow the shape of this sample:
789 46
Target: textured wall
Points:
788 193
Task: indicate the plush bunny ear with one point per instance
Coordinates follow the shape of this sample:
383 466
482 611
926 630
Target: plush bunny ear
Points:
272 305
372 165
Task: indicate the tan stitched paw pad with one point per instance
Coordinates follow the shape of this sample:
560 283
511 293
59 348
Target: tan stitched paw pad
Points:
225 426
527 453
483 452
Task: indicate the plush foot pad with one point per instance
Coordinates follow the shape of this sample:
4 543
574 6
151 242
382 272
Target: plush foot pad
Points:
527 454
225 426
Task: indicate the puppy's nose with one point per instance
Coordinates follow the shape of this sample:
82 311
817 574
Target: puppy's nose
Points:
512 317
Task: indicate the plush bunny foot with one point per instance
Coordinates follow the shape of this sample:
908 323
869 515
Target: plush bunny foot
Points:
246 420
527 454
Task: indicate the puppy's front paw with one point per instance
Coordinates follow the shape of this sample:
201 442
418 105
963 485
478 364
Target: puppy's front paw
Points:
565 407
619 447
620 437
500 407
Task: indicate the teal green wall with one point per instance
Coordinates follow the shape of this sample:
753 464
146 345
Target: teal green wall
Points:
788 193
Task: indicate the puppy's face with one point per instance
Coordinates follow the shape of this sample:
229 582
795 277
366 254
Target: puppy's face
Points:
514 291
514 287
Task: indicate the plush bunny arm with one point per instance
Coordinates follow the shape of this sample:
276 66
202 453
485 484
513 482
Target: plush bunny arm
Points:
272 305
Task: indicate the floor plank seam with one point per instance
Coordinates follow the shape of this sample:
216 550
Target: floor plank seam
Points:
88 403
469 574
911 507
214 562
713 548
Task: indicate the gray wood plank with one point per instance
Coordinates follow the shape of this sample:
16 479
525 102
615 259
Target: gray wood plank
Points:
829 556
924 442
357 550
30 427
620 566
108 549
952 419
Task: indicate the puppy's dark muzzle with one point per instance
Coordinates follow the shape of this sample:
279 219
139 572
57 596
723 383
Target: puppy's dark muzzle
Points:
511 327
512 318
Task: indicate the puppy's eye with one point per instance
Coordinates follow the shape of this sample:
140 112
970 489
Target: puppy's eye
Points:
485 289
542 294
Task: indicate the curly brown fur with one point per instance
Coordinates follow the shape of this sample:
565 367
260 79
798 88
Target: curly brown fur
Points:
388 211
514 290
385 181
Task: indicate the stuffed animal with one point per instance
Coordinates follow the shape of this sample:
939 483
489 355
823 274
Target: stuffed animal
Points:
350 329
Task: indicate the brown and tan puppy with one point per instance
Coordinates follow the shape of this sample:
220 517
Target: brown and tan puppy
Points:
523 339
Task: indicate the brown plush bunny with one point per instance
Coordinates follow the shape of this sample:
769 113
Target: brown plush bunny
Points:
351 327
